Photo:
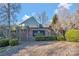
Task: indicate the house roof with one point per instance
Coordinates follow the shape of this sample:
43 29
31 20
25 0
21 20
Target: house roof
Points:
32 22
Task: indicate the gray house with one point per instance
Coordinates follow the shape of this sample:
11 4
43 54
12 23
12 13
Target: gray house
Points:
31 28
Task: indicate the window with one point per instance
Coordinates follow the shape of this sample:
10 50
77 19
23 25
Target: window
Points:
35 32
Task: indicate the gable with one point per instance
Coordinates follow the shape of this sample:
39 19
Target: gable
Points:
31 22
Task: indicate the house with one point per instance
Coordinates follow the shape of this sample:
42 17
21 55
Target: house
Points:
31 27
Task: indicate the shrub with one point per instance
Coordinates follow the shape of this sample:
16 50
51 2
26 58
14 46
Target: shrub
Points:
13 42
51 38
45 38
4 42
72 35
39 38
60 38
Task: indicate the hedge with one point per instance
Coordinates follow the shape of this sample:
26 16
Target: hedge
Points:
4 42
72 35
13 42
8 42
45 38
60 38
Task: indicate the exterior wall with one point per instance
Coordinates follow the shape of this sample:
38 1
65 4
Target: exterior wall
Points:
28 35
23 35
47 32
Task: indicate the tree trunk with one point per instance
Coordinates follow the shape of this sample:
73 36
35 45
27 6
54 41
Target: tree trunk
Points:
9 29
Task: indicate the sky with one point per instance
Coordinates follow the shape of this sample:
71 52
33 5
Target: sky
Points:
30 9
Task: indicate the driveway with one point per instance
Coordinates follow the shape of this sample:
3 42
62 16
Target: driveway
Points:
43 48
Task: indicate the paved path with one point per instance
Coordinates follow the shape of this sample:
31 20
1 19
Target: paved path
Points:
43 48
27 44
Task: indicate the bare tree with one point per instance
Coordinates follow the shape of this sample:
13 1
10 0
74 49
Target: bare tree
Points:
64 17
8 14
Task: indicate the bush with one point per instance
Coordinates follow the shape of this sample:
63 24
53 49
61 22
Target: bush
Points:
39 38
60 38
45 38
72 35
51 38
13 42
4 42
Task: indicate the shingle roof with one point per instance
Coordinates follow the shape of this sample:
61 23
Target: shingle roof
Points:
31 22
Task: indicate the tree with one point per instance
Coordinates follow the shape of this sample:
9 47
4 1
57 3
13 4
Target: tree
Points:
55 19
8 14
64 15
55 24
76 16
